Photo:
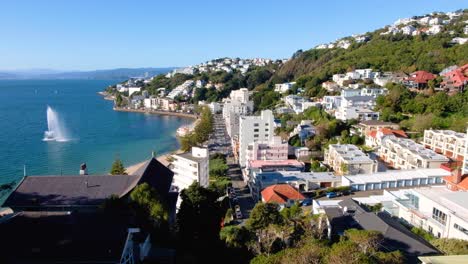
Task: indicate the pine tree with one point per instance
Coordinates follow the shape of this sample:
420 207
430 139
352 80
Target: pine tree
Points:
118 168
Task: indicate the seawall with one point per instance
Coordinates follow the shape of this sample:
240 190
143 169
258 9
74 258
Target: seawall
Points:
193 116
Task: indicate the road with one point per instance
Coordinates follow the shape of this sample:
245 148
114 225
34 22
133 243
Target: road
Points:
220 142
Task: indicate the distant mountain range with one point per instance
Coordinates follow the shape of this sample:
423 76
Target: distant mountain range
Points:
121 73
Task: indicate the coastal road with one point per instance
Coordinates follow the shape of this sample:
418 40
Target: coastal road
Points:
220 142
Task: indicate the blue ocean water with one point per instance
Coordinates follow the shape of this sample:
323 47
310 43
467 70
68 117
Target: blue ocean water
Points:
98 133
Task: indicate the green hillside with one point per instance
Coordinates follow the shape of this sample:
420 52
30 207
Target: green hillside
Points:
382 52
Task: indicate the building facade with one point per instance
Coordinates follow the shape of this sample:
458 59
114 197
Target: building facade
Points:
254 129
191 166
446 142
405 154
348 159
275 149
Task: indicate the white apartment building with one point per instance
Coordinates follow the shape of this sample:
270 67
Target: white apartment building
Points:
405 154
348 159
237 104
275 149
189 167
436 209
183 89
446 142
254 129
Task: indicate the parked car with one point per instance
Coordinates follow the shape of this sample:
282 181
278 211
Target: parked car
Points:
346 192
237 208
331 194
306 202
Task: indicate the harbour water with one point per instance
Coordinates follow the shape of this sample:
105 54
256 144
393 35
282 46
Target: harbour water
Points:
96 134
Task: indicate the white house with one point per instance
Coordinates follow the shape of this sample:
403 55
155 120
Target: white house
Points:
284 87
132 90
348 159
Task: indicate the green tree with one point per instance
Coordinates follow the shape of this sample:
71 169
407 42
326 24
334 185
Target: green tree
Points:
147 198
199 218
118 168
367 240
235 236
263 215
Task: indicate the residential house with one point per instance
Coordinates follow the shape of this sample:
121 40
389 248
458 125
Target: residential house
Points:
284 87
330 86
419 79
348 214
364 127
348 159
302 181
304 130
374 138
282 194
446 142
403 153
456 79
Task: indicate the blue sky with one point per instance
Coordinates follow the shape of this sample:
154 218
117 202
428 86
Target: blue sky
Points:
86 35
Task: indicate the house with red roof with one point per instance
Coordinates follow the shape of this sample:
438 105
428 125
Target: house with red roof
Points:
456 80
374 137
457 181
281 194
419 79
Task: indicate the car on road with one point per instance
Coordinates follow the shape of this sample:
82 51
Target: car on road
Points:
239 215
331 195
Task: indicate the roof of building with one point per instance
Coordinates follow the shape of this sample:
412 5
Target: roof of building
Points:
454 201
396 236
414 148
281 193
59 237
463 184
279 163
86 190
449 133
377 123
395 175
421 76
188 155
388 131
451 259
351 153
293 176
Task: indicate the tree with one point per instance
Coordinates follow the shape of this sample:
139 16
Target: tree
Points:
199 217
218 167
235 236
118 168
263 215
347 252
367 240
118 100
147 199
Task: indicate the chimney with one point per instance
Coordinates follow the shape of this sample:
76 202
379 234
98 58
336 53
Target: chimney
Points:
83 170
457 175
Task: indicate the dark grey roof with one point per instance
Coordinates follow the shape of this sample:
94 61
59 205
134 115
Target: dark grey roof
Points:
51 237
396 236
85 190
189 156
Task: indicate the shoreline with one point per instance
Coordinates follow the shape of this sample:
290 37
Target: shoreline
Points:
157 112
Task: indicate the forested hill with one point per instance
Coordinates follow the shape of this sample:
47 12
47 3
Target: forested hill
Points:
387 52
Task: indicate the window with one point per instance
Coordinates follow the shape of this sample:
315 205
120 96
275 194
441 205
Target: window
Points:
431 230
266 129
255 124
255 135
256 130
266 135
266 124
461 228
439 216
